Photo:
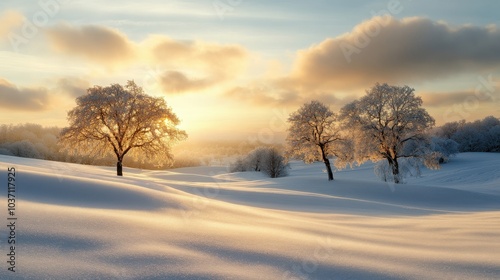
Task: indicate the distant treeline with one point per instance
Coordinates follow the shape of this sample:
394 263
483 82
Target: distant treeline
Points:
478 136
36 141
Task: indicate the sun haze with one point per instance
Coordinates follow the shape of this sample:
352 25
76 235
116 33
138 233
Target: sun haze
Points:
228 69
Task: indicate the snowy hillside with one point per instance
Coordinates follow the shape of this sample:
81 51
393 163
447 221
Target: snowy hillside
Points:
83 222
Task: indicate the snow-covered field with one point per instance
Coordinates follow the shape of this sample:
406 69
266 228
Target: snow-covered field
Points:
82 222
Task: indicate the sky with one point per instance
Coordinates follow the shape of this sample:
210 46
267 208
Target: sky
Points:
235 69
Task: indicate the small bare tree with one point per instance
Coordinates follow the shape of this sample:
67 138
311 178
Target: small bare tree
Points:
275 164
264 159
388 123
122 119
313 134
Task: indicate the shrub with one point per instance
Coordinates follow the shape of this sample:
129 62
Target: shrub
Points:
24 148
478 136
267 160
445 147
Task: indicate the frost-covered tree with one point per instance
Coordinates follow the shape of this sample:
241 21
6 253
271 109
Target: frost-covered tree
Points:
314 134
255 159
383 122
5 151
122 119
478 136
407 167
24 148
263 159
274 164
494 135
445 147
238 166
449 129
470 138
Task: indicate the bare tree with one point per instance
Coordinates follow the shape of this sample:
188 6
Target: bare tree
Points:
384 121
264 159
275 164
314 135
122 119
255 159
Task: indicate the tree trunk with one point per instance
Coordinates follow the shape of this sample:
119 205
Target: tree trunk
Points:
119 168
328 169
327 164
395 169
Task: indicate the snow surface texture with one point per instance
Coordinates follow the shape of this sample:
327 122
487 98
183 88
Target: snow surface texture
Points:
83 222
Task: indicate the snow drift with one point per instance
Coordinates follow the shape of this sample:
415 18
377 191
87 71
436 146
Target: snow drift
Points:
83 222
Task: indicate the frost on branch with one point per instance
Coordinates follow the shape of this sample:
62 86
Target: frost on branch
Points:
314 135
122 119
478 136
389 123
267 160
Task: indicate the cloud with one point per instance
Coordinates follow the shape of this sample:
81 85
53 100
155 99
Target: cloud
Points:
194 65
8 21
384 49
221 59
446 99
176 82
96 43
72 87
261 95
185 65
27 99
277 93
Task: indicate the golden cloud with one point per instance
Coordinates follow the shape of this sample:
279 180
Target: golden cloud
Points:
96 43
193 65
439 99
384 49
176 82
204 55
281 92
72 87
184 65
27 99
